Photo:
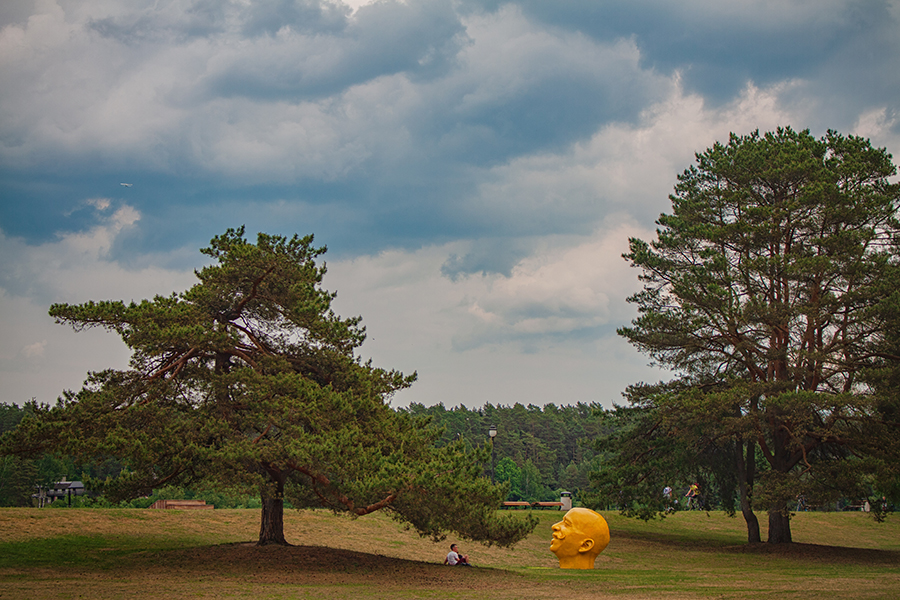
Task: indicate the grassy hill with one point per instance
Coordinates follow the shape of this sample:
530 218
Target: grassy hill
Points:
110 554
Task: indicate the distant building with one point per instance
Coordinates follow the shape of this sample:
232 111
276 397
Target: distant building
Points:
60 489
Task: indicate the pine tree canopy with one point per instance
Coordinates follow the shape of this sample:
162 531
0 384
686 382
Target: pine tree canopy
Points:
769 292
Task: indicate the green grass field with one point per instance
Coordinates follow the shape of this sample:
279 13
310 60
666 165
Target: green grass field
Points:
112 554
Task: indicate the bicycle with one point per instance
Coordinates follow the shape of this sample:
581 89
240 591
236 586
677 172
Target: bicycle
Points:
694 502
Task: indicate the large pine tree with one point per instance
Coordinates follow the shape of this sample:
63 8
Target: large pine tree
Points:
249 379
764 292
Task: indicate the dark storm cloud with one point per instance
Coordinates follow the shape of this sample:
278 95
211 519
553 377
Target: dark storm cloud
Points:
198 18
380 126
720 46
489 255
407 102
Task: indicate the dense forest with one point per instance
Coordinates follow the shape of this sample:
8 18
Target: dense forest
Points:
540 451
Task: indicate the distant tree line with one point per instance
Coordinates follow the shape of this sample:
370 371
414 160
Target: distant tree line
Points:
539 451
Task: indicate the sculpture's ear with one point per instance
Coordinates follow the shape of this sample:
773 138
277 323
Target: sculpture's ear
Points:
586 545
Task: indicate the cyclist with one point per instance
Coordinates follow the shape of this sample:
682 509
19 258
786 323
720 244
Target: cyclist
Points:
693 496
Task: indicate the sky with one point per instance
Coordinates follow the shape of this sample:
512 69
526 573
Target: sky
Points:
474 167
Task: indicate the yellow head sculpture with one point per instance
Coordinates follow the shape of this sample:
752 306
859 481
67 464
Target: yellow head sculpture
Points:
579 538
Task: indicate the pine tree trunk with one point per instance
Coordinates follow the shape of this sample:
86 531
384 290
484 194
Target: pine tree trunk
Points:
746 476
271 528
753 535
779 525
779 515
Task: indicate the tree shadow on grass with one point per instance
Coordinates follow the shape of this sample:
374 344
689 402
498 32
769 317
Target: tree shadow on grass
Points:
318 565
801 552
819 553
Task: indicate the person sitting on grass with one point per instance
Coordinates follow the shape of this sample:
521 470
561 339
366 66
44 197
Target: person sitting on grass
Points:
454 558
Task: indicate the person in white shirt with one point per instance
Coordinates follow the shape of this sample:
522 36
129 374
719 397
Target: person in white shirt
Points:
454 558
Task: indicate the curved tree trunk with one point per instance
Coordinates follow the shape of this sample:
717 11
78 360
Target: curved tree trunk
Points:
746 475
753 535
779 525
271 528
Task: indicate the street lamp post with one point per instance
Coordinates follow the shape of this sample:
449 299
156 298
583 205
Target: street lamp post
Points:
493 433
